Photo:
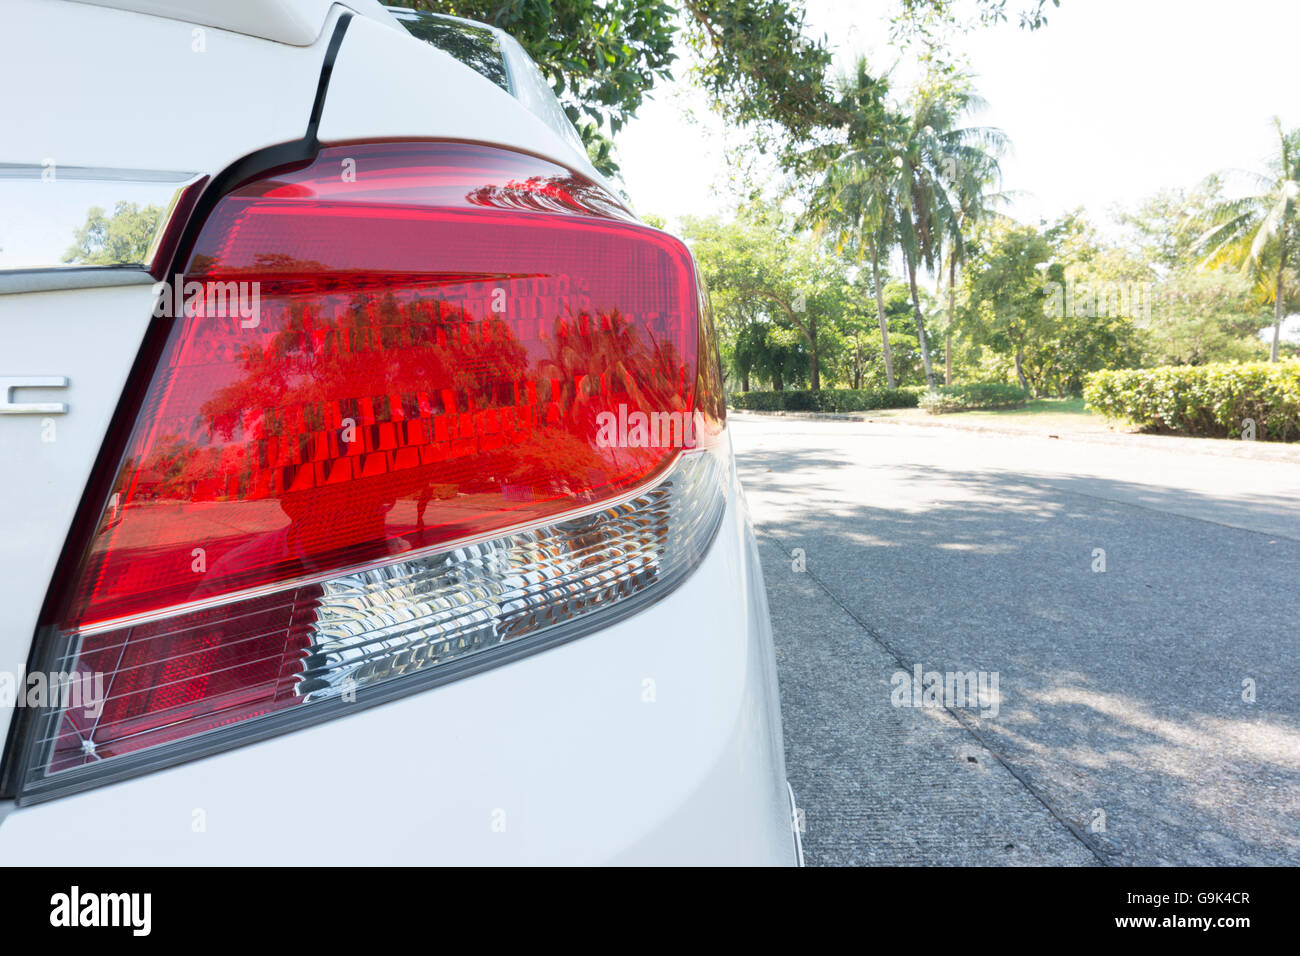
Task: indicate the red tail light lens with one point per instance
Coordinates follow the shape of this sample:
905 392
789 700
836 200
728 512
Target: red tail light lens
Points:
373 360
431 349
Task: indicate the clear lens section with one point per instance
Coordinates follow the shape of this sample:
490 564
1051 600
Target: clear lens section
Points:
407 617
290 654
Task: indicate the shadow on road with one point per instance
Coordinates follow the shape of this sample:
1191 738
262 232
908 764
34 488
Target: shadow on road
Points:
1125 692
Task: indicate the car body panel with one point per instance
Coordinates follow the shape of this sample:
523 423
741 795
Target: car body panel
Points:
408 99
295 22
222 111
654 740
133 92
90 337
567 756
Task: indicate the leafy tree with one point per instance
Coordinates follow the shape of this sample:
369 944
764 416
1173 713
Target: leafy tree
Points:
758 66
916 180
1203 316
1004 286
602 57
1260 232
853 349
1080 344
762 351
860 343
1155 231
762 272
852 199
971 173
934 161
925 17
1057 302
909 361
753 58
123 237
1197 315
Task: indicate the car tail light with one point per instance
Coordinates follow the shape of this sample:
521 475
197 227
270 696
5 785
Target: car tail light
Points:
415 407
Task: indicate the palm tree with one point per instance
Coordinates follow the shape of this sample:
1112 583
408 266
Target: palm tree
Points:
1260 232
912 180
851 201
853 198
974 188
940 169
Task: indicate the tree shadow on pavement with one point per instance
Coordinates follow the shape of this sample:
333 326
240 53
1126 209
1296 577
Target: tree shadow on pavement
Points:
1124 692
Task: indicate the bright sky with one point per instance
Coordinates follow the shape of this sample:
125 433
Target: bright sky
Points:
1108 103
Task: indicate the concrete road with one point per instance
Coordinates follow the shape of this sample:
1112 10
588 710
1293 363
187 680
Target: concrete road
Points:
1138 608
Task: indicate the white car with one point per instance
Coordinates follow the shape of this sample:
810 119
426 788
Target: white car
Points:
367 494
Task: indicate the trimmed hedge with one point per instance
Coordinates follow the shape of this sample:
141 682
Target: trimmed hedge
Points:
1210 401
981 395
826 400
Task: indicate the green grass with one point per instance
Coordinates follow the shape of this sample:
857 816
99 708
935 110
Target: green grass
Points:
1040 413
1042 408
1051 406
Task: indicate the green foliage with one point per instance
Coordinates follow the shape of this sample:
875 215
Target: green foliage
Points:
1004 290
603 56
123 237
928 18
1259 233
753 58
1054 302
777 294
852 202
911 179
909 366
764 351
1204 316
758 66
1156 232
980 395
826 400
1205 400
